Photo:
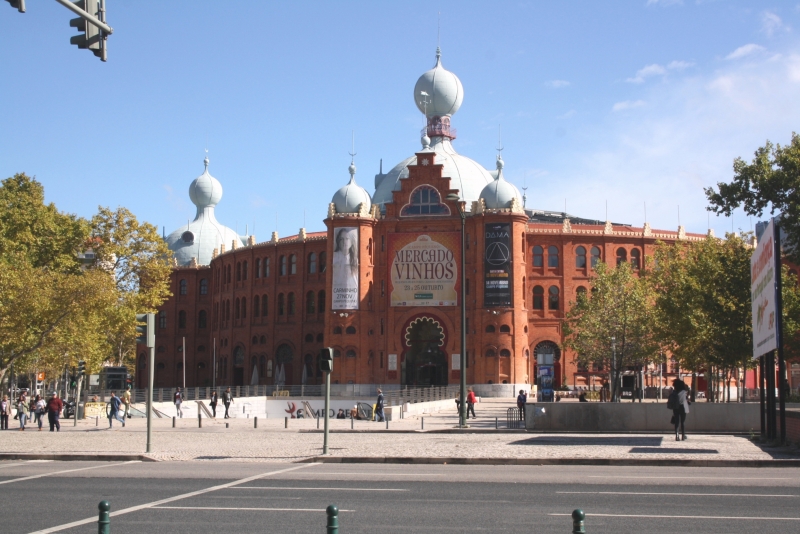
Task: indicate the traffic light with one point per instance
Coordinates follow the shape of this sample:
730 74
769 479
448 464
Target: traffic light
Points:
90 37
81 369
19 4
146 329
325 359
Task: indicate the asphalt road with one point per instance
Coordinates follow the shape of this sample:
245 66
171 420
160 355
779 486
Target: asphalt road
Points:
226 497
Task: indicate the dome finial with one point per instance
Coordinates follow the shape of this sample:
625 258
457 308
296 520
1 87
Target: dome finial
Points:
205 161
352 167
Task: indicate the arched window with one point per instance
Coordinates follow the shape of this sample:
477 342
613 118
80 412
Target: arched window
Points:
263 339
505 353
244 270
321 302
264 306
505 329
181 319
182 287
635 259
552 256
244 308
162 319
227 310
337 329
580 257
262 366
538 298
202 319
238 309
622 256
538 256
290 304
311 302
490 353
283 266
142 361
266 267
490 329
228 277
595 256
256 305
323 259
350 354
238 271
293 264
553 298
350 330
424 200
312 263
255 340
281 309
258 268
203 286
309 338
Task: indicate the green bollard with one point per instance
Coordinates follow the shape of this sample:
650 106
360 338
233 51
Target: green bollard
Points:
103 521
577 522
333 519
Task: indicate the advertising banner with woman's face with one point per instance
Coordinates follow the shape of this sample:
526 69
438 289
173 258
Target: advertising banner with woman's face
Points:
345 269
424 268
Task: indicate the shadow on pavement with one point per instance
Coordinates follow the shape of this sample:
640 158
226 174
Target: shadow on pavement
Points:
619 441
673 450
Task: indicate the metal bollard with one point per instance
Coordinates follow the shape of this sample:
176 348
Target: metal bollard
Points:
173 422
422 420
495 423
577 522
387 424
199 421
97 421
351 423
333 519
318 423
255 422
285 422
103 521
227 425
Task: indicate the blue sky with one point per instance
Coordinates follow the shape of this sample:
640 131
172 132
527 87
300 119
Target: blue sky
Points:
629 102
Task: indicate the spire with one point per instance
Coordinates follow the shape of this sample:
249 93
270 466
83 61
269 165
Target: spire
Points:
205 161
352 167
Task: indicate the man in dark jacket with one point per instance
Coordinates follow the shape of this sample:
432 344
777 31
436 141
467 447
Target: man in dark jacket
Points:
379 417
680 407
113 412
227 399
54 407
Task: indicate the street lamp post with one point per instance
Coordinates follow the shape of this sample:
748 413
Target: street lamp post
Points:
613 368
462 419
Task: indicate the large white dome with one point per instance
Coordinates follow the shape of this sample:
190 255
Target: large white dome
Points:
500 193
205 190
349 198
443 89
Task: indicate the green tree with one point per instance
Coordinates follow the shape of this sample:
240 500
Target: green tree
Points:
791 315
770 182
613 326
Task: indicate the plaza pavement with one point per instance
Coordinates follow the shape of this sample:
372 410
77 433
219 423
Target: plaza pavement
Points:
370 441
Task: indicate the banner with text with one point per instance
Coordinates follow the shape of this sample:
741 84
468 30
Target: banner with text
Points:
345 269
424 268
497 289
763 270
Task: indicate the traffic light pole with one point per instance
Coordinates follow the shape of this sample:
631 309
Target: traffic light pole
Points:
77 401
327 411
88 17
150 398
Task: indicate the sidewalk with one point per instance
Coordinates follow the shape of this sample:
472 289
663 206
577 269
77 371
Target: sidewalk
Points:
370 441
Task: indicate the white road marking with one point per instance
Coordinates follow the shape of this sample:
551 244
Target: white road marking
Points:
682 478
317 489
11 465
631 493
385 474
93 519
253 509
732 518
60 472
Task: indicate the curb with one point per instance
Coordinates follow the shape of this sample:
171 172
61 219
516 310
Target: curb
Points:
643 462
78 457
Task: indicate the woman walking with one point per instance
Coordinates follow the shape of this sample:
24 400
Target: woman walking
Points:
213 404
680 407
22 412
39 409
5 412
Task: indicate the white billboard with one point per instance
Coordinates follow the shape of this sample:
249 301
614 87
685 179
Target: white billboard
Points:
763 273
345 269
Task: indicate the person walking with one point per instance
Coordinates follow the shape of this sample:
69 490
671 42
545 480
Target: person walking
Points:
22 411
39 409
213 404
471 400
679 402
54 407
178 400
227 400
522 399
113 411
5 411
379 417
126 400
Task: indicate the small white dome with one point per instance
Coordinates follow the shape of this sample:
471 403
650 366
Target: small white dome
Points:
349 198
443 88
205 191
499 194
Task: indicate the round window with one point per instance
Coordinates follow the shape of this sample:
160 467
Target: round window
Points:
187 237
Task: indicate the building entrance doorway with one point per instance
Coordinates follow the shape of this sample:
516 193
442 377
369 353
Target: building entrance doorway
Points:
424 362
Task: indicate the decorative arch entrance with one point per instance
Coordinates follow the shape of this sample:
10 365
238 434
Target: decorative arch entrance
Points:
424 362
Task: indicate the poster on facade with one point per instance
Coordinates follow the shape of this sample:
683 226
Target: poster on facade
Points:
545 382
424 268
345 269
455 362
497 289
392 362
763 293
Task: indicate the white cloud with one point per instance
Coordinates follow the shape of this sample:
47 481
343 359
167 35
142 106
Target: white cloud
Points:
557 84
679 65
771 23
657 70
744 51
567 115
627 104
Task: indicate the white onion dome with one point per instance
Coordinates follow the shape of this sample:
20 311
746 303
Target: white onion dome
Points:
205 190
499 194
443 89
349 198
